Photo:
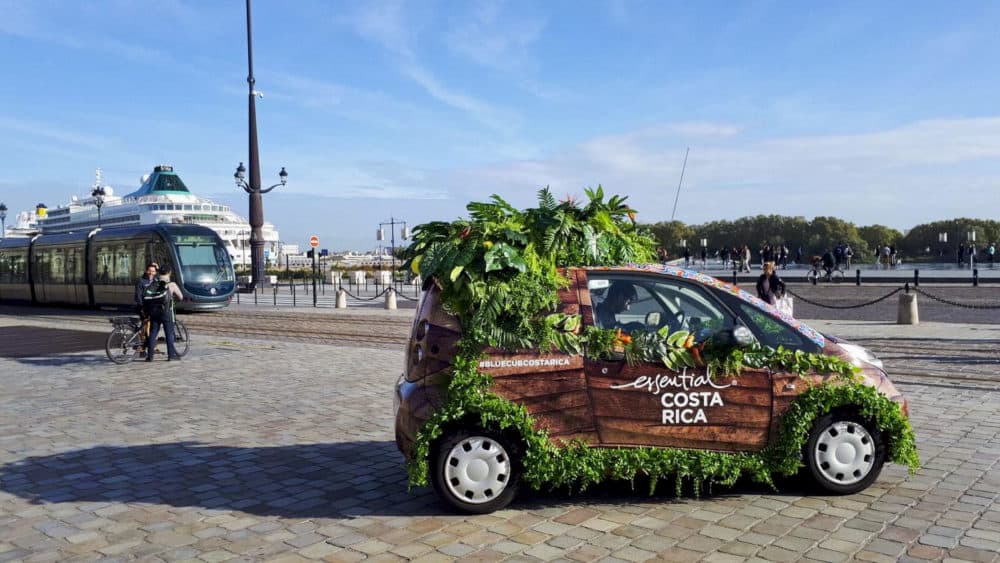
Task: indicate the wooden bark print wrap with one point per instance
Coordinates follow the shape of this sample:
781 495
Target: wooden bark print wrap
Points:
552 386
631 410
433 338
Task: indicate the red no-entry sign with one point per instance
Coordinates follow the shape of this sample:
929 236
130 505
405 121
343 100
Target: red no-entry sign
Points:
314 241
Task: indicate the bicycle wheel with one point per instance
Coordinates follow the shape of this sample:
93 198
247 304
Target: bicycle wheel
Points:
837 276
811 276
181 338
121 345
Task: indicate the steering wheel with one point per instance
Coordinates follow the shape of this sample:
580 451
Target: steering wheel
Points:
632 326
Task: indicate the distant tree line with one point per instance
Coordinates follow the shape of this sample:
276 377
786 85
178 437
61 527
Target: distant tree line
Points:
921 243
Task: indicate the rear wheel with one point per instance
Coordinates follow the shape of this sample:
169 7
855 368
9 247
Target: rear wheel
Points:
844 454
122 345
476 472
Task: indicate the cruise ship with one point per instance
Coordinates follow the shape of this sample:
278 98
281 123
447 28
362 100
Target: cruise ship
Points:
162 198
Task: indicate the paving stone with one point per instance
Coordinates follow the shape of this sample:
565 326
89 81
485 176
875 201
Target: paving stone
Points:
223 460
820 554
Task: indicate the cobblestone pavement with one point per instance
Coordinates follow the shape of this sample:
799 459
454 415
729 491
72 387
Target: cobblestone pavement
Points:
278 450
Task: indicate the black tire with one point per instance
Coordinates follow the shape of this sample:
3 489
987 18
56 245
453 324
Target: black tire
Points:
122 345
837 276
844 453
472 487
182 340
811 276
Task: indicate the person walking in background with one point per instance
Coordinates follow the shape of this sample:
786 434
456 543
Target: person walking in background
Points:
991 251
687 257
769 286
704 257
745 258
158 303
961 253
798 255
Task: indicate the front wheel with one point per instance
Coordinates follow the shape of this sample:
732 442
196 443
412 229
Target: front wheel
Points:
182 341
476 472
811 276
122 345
844 454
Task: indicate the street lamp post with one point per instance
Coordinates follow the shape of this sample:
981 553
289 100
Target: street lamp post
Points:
98 194
3 221
253 187
380 235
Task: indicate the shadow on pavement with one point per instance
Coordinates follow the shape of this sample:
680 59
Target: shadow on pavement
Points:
298 481
66 360
339 480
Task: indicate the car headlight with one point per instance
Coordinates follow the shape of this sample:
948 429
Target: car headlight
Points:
861 355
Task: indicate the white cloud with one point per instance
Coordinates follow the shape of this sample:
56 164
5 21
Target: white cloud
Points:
901 176
490 38
28 128
387 24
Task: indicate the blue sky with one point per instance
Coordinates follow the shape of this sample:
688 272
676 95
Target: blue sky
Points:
878 112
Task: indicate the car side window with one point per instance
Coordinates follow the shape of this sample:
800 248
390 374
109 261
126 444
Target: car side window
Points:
653 303
772 332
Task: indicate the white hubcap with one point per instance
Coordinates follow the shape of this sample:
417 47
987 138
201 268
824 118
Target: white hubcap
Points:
476 469
845 452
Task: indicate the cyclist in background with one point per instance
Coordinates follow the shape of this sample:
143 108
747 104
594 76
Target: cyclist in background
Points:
158 303
828 263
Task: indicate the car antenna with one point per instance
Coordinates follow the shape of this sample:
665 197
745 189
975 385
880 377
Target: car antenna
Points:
678 196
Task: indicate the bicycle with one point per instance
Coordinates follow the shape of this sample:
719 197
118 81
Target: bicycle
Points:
816 273
128 338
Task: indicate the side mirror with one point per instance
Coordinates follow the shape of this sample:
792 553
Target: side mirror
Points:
739 336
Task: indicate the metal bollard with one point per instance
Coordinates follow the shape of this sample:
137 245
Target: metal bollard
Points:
916 278
857 277
816 277
275 295
390 299
341 299
975 277
735 281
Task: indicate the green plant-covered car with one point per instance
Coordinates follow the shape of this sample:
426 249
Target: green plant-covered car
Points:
540 356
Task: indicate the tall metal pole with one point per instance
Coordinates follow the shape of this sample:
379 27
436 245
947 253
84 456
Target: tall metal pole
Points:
683 168
256 201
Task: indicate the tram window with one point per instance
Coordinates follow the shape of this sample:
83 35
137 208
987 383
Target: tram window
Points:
12 267
105 261
42 265
74 266
123 264
18 268
202 260
57 265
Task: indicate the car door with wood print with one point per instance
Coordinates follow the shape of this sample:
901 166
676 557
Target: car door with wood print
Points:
647 403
